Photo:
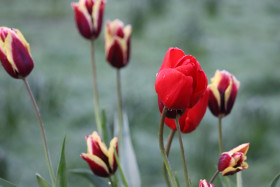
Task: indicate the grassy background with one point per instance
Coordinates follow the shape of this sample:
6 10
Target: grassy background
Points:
242 37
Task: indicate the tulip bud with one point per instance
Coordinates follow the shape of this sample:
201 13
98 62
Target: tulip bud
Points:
222 93
204 183
15 53
89 17
117 43
234 160
101 160
190 120
180 82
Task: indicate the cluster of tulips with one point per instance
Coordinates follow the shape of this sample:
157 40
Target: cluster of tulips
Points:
182 89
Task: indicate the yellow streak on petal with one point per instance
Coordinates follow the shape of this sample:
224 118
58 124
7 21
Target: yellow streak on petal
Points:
113 144
102 146
23 40
228 91
239 148
8 49
95 12
96 160
82 7
228 170
216 93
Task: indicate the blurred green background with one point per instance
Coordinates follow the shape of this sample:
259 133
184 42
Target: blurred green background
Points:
242 37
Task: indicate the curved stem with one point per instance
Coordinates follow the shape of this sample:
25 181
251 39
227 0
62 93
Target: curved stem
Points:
46 151
220 135
214 176
120 168
161 146
120 115
167 149
182 152
95 91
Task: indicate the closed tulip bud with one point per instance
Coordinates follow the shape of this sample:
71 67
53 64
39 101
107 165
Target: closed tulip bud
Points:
204 183
101 160
190 120
234 160
117 43
89 17
222 93
180 82
15 53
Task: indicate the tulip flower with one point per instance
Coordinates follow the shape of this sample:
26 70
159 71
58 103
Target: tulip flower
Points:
222 93
101 160
192 117
180 82
89 17
204 183
234 160
117 43
15 54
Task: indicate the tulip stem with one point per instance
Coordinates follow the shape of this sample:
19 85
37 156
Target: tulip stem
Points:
239 179
42 129
161 146
95 91
182 151
214 176
120 168
120 114
167 149
220 135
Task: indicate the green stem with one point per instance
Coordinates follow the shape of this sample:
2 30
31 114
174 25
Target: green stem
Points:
167 149
214 176
161 146
239 179
182 151
95 91
120 168
111 182
220 135
42 129
120 115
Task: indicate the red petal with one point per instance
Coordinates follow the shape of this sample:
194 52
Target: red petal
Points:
224 162
116 55
213 103
95 167
171 58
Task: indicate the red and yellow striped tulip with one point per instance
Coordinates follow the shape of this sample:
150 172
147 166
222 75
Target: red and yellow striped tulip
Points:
204 183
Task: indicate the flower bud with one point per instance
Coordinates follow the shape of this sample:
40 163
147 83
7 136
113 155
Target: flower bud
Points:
234 160
101 160
15 54
180 82
204 183
222 93
89 17
117 43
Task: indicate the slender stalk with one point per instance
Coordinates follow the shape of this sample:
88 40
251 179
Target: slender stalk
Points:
95 91
182 152
220 135
167 149
120 114
42 129
120 168
161 146
214 176
111 182
239 179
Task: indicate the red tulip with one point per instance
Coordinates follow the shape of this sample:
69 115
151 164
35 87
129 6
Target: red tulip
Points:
180 81
89 17
101 160
15 53
192 117
222 93
117 43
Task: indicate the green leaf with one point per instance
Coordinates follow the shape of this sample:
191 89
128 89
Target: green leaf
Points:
275 180
87 174
41 181
61 177
4 183
104 127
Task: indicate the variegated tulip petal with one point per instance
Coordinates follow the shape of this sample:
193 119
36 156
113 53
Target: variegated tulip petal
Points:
243 148
111 155
97 165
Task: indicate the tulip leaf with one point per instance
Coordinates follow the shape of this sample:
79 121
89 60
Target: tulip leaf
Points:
4 183
275 180
104 127
41 181
87 174
61 177
127 155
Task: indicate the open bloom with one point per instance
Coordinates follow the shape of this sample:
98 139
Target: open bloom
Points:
117 43
101 160
234 160
180 82
15 53
89 16
222 93
204 183
192 116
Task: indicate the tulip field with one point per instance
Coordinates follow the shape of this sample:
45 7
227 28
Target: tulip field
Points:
139 48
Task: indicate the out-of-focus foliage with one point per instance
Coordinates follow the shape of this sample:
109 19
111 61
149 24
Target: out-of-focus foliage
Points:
241 37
